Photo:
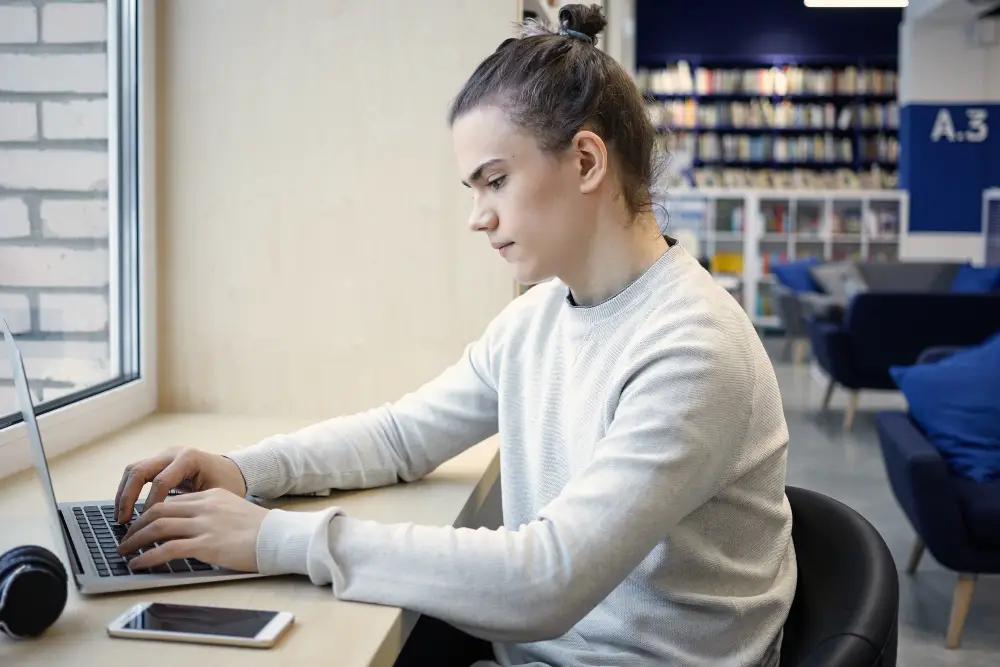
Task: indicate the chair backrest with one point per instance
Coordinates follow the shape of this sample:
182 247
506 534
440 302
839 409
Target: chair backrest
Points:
888 329
845 612
908 276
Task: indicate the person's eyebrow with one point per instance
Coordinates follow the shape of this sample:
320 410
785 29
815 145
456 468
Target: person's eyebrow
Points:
477 173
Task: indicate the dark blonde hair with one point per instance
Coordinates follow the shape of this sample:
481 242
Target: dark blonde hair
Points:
555 83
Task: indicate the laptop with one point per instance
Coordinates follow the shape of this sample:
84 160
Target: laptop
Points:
89 533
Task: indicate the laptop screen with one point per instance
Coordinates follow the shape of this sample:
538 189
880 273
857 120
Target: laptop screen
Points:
34 436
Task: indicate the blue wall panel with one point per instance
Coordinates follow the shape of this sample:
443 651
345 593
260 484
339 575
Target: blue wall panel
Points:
949 154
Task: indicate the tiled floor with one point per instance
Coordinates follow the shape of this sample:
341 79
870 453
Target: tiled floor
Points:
849 467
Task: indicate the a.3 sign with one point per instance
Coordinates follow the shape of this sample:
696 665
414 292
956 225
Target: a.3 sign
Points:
976 128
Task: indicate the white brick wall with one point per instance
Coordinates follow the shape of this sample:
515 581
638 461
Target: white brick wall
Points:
33 169
67 22
14 222
16 309
18 25
56 360
79 313
50 266
54 73
75 218
81 119
18 121
54 262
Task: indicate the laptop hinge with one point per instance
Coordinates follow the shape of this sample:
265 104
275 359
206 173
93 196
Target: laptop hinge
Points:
70 547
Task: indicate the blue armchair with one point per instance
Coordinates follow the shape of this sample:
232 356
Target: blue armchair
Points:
957 519
884 329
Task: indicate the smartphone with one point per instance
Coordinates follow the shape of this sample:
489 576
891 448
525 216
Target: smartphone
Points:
253 628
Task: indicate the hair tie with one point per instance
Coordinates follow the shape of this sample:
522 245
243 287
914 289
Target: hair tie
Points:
577 34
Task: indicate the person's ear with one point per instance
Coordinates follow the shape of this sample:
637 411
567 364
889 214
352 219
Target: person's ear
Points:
592 156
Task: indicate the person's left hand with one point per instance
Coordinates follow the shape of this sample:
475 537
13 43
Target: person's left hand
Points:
214 526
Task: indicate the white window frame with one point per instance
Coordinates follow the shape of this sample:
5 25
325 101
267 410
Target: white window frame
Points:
92 418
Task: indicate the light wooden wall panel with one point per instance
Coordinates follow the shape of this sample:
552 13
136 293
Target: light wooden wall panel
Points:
313 257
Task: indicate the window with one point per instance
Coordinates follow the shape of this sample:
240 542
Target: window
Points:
69 207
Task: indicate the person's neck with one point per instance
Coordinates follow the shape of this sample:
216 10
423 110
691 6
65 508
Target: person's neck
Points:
614 259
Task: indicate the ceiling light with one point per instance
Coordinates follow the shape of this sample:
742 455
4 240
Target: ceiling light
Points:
860 4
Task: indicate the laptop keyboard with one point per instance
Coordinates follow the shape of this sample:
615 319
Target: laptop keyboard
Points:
103 535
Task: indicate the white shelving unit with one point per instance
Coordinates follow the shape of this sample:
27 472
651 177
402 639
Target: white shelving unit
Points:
743 232
991 225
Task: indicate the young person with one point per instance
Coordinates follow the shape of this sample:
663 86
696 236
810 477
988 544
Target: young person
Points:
643 443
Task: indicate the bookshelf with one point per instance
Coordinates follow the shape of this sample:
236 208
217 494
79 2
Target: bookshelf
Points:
777 126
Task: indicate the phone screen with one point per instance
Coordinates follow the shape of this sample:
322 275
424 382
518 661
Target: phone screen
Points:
244 623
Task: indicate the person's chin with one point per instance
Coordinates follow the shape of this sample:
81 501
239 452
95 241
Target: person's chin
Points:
528 275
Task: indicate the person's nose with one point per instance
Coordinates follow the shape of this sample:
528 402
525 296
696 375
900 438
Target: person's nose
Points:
482 218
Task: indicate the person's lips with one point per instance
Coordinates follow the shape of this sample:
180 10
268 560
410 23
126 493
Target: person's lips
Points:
503 248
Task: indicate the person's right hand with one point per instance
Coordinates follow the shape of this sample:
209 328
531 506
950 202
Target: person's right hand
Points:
195 469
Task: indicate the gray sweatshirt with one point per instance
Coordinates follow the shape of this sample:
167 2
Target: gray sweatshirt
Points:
643 455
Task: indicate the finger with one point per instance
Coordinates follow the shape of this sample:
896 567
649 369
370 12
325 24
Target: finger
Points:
185 548
121 487
161 530
182 467
135 479
157 462
160 511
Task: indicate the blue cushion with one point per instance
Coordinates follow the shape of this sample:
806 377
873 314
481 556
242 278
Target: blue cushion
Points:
795 275
956 401
976 279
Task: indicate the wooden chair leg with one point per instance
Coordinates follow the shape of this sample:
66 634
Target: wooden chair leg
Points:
852 407
915 554
960 608
801 346
828 395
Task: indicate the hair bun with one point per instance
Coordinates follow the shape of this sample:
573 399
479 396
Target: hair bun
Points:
586 19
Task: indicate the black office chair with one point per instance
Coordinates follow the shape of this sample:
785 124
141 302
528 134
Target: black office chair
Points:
846 607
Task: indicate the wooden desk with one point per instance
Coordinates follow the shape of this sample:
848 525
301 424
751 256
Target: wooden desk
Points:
326 631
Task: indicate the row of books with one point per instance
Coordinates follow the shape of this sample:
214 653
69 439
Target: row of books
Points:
680 79
874 178
875 223
746 148
822 148
765 114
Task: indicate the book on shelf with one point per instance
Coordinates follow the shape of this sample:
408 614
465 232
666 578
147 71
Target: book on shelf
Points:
727 262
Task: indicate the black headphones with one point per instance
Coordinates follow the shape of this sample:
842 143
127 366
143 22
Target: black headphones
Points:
33 591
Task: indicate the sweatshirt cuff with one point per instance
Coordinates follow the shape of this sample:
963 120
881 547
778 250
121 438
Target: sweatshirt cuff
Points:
260 468
284 539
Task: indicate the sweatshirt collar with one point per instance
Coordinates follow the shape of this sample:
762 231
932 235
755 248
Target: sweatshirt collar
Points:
624 300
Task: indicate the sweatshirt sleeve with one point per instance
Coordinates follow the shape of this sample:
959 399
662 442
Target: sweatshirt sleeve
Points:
404 440
681 419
